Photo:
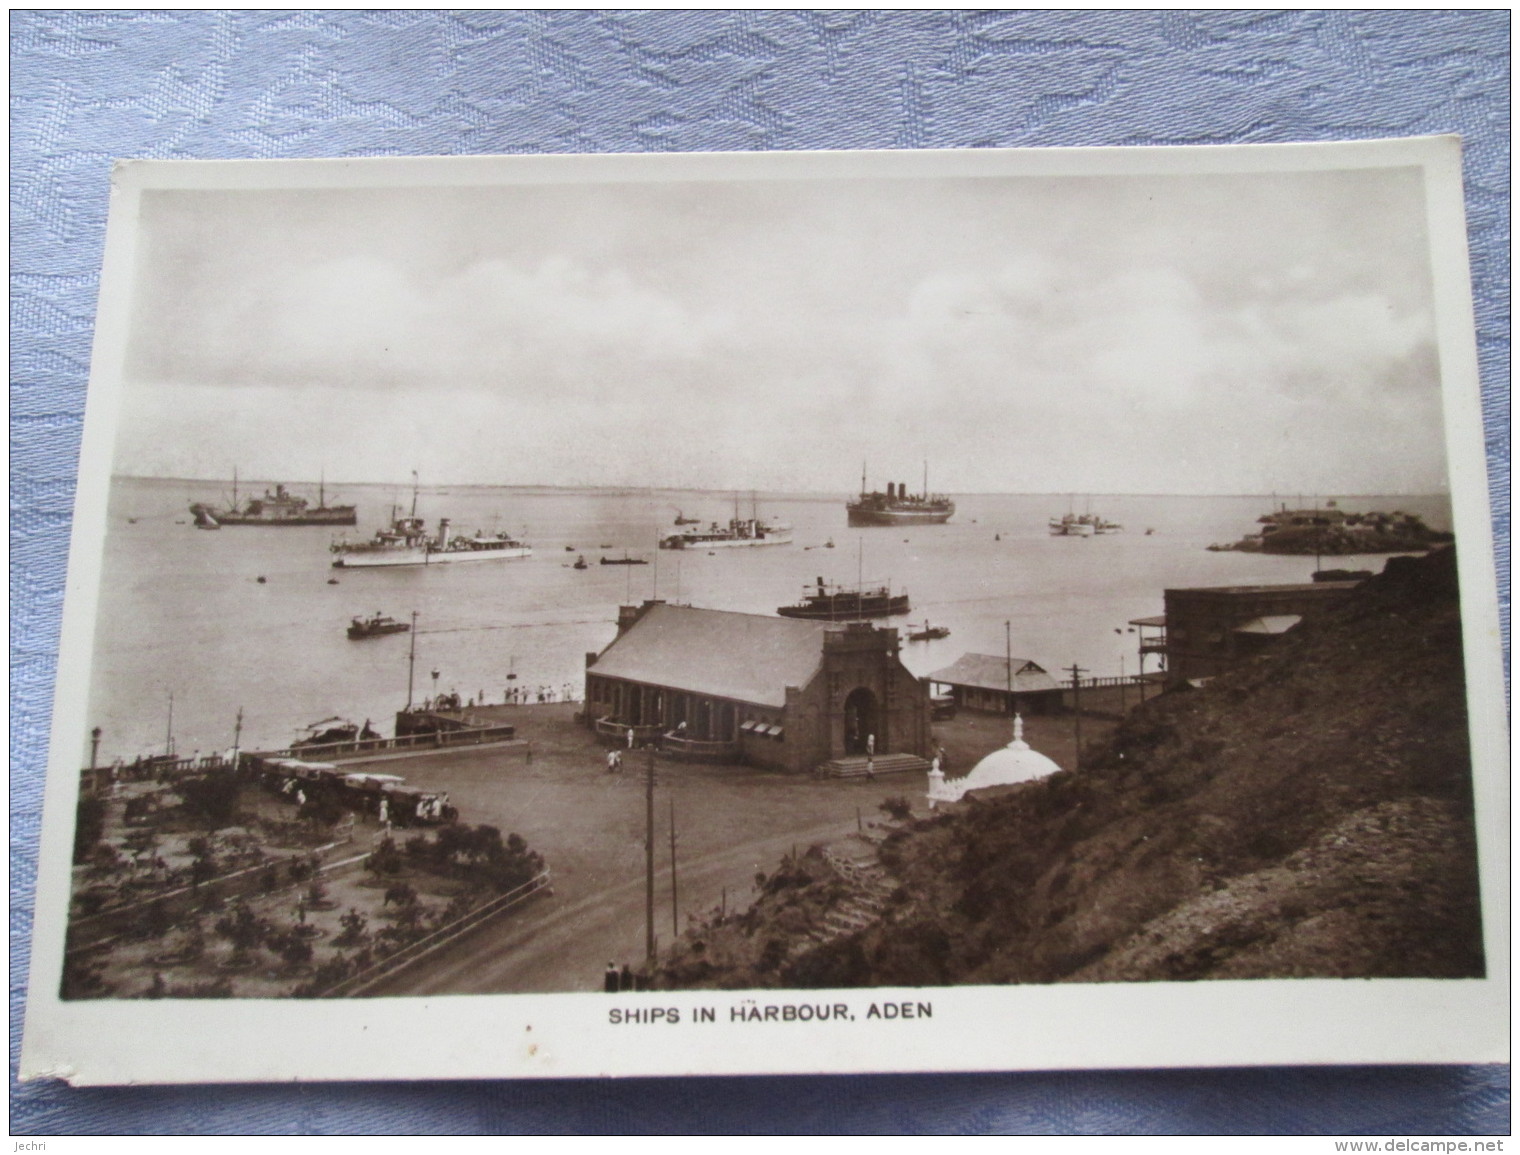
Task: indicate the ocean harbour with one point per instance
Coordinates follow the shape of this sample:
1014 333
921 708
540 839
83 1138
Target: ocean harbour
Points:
182 611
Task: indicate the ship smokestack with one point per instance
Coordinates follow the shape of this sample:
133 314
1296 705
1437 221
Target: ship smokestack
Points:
443 532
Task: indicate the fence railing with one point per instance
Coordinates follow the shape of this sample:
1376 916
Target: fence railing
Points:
89 930
412 952
642 735
1108 683
671 743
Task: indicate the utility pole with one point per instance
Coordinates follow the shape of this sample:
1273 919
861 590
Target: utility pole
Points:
1123 689
1076 705
675 909
169 729
649 949
411 661
1008 657
237 738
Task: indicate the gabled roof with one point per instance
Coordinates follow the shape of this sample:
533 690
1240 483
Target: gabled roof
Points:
744 657
988 672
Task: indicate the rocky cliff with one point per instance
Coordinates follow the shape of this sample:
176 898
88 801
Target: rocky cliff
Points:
1308 814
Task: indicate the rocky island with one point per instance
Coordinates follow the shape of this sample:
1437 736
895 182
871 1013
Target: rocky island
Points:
1335 532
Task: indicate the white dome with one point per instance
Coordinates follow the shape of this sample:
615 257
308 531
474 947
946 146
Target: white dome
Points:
1014 763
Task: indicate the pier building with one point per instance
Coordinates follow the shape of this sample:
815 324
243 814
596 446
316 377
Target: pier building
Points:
782 693
999 685
1210 629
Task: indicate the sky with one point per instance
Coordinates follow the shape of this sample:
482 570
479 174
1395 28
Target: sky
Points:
1102 334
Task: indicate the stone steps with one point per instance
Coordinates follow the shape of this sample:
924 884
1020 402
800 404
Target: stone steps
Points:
857 766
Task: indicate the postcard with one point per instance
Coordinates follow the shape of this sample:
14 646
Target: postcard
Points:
778 613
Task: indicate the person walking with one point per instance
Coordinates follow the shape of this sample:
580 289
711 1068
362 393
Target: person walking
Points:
610 978
625 980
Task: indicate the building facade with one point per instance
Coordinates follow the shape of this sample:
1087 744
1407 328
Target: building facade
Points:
782 693
1209 630
999 685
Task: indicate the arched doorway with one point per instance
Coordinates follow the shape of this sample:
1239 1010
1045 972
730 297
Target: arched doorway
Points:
861 721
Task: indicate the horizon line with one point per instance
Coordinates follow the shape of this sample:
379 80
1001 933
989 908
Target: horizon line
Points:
728 491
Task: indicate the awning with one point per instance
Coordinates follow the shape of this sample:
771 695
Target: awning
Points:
1270 624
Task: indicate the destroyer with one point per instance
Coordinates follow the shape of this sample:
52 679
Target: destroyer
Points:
278 508
740 531
406 542
899 507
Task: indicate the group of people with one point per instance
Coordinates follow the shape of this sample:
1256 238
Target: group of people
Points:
522 695
615 979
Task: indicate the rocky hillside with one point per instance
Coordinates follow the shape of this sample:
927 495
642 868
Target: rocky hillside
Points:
1308 814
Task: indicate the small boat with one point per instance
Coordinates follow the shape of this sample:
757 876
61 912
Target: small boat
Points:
331 730
375 625
580 563
569 549
624 560
1082 525
332 581
928 633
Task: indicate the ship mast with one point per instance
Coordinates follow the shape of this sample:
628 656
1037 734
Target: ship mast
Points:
926 479
414 493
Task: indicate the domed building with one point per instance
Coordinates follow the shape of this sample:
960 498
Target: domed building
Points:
1014 763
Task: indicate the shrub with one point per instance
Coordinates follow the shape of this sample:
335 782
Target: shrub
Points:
209 798
897 808
385 858
353 924
89 825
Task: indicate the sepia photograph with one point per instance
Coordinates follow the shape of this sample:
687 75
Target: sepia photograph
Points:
813 595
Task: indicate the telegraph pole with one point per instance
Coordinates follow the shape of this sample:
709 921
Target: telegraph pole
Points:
675 910
649 858
411 661
1076 705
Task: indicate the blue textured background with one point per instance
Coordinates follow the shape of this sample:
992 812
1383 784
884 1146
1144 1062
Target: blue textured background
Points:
87 88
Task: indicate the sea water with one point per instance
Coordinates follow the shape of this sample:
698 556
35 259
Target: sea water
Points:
182 611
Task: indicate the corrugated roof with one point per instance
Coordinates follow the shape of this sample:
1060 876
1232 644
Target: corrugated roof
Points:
745 657
988 672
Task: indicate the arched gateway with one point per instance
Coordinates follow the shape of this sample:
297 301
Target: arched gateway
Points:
861 721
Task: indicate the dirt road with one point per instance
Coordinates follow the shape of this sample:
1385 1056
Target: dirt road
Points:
563 942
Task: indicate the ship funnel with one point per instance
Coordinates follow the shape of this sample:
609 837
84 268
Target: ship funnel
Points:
443 532
820 584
